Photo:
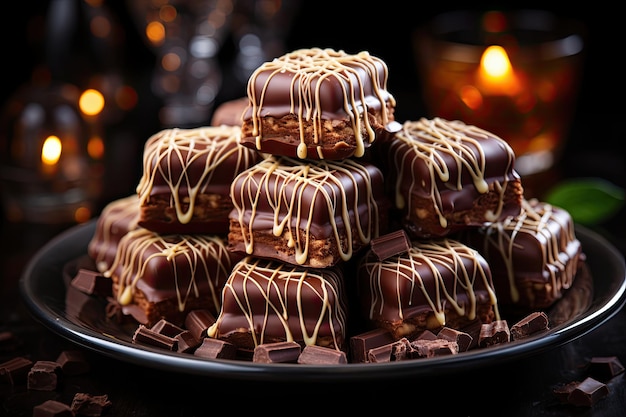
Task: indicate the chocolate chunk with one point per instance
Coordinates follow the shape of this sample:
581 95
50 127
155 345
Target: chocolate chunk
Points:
166 328
424 348
319 355
562 391
391 244
216 349
587 393
391 352
462 339
44 376
15 370
146 336
494 333
52 408
73 362
186 341
360 344
529 325
91 282
90 405
604 368
427 335
198 321
277 352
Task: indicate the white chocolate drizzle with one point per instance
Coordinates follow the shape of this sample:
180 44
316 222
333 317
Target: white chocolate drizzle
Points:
140 252
264 290
555 236
422 268
310 68
210 146
285 183
431 140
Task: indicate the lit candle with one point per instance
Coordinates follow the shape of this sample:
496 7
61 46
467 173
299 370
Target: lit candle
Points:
496 75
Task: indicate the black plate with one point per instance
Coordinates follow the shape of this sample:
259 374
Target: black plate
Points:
44 290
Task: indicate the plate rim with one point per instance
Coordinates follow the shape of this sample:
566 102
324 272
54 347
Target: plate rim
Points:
237 369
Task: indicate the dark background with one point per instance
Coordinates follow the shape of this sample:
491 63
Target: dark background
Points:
385 29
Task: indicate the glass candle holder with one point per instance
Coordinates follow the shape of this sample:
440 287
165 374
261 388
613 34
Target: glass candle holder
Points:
515 74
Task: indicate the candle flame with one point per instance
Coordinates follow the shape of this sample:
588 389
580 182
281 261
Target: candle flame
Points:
496 72
51 151
495 62
91 102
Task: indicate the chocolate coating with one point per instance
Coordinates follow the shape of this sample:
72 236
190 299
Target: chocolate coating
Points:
266 301
186 179
444 176
425 288
534 257
321 94
284 207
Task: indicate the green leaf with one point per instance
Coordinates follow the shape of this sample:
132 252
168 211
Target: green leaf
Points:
588 200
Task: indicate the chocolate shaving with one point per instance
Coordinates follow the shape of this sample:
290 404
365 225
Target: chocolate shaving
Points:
391 244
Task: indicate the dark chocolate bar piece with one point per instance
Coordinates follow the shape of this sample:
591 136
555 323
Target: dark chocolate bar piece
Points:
529 325
52 408
198 321
166 328
361 344
587 393
562 391
604 368
277 352
44 376
424 348
92 282
392 352
494 333
84 404
462 339
186 342
73 362
319 355
15 370
390 244
216 349
146 336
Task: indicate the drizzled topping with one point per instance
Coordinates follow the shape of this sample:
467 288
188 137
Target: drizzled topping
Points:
276 300
452 153
326 195
437 275
316 76
195 265
188 161
542 226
